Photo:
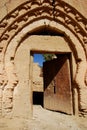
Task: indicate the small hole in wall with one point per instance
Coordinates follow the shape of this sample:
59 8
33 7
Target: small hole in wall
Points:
78 60
12 58
1 48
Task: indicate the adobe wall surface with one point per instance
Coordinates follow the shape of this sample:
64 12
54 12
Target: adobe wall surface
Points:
37 78
16 44
26 71
8 5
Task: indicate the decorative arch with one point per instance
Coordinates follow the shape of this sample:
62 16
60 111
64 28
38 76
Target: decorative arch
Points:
25 19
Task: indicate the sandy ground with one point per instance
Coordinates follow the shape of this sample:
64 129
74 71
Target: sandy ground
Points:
45 120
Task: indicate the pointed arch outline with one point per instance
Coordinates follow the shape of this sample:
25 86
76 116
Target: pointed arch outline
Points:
58 15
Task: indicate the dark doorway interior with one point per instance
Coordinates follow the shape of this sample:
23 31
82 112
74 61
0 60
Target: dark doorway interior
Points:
38 98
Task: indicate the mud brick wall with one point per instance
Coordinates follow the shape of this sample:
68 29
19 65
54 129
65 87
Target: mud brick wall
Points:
20 19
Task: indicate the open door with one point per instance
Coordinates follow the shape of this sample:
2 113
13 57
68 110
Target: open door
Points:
57 84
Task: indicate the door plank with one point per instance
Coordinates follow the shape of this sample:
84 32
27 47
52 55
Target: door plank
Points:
57 85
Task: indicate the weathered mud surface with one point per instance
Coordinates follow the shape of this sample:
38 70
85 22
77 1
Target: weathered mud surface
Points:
45 120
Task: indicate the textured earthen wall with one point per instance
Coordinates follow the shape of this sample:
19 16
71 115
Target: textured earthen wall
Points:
25 70
8 5
15 47
37 78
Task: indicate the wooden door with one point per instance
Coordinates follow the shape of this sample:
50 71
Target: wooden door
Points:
57 85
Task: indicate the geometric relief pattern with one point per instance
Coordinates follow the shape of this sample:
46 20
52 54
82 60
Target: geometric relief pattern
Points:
23 15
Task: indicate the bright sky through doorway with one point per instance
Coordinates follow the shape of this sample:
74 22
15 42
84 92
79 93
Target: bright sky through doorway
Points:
38 58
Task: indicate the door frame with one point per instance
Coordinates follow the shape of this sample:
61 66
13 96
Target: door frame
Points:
74 90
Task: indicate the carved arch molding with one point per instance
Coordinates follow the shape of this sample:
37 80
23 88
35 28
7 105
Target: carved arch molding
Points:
25 19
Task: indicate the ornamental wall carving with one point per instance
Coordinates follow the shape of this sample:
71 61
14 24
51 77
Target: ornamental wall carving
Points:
25 19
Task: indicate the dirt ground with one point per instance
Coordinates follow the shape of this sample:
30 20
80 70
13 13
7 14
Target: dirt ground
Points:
45 120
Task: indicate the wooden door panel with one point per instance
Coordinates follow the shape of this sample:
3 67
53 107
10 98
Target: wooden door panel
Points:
57 85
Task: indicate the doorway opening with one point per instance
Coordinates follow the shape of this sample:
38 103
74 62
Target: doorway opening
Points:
38 98
52 87
38 79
